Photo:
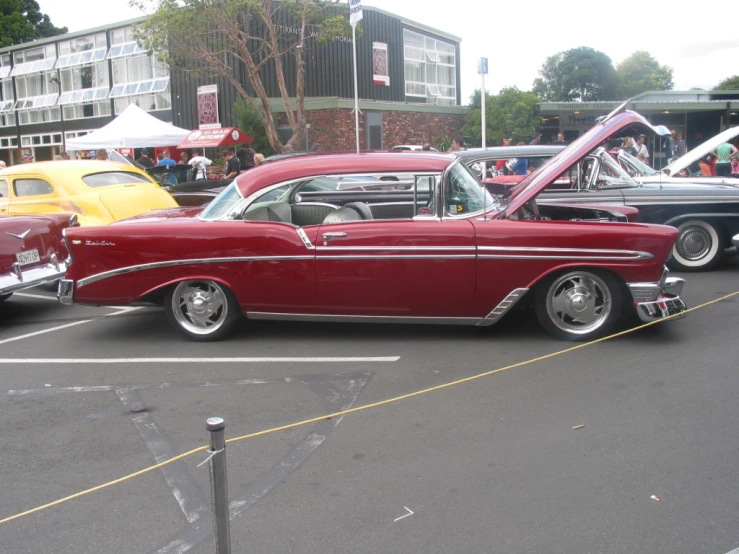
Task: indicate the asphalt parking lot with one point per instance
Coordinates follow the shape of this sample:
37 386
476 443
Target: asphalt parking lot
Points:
91 394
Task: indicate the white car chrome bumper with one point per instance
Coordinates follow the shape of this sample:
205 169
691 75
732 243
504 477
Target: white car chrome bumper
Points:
21 279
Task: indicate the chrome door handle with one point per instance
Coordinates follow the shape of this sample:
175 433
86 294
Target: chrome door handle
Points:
335 235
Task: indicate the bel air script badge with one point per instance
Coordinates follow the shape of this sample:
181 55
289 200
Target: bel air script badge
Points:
99 243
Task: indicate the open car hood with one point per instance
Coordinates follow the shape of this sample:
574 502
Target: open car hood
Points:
534 184
699 151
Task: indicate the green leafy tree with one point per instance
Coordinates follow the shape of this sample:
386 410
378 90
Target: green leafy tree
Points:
730 83
22 21
578 74
512 112
264 37
641 72
248 120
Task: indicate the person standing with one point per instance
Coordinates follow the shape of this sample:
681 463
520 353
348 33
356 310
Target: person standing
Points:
232 164
521 166
628 146
560 139
199 163
245 157
681 147
642 152
457 144
144 159
500 165
536 140
101 154
724 152
165 160
258 159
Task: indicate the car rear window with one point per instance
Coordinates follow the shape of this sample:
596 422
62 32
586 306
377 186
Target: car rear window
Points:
108 178
31 187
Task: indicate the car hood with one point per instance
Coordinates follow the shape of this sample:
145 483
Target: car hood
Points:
701 150
534 184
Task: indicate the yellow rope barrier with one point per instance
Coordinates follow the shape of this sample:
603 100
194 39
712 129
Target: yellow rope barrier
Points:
359 409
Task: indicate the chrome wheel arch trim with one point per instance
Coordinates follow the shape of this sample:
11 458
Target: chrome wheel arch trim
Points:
674 221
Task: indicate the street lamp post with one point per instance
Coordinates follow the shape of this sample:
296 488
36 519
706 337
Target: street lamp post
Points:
55 79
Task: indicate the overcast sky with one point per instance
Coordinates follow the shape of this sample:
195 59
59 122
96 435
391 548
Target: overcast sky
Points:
517 37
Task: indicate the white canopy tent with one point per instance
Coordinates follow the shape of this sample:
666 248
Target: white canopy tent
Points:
133 128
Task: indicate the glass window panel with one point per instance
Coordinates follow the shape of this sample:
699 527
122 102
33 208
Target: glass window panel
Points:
448 91
86 57
99 55
430 43
118 36
115 51
433 90
160 85
445 75
48 64
164 102
117 90
412 53
65 98
129 49
88 96
139 69
413 39
101 93
131 89
446 58
415 89
146 86
119 71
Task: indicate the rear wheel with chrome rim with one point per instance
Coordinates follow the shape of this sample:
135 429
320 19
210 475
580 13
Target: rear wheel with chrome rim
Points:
579 305
202 310
699 246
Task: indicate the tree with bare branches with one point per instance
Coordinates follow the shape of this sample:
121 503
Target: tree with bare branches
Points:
212 36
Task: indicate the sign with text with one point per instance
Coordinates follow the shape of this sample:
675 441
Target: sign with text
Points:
208 107
380 74
209 138
355 12
482 66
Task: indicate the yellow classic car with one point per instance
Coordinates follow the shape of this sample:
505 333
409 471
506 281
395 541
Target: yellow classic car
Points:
99 192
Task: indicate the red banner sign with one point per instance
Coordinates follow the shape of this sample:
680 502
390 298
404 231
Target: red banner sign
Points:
209 138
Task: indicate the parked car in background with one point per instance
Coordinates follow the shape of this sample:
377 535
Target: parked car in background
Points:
98 192
706 215
32 251
274 246
410 147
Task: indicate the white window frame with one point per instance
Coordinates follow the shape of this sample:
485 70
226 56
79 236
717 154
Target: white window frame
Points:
431 60
119 91
82 96
81 58
36 102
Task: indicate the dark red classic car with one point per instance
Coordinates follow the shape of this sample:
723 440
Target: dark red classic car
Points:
381 238
32 251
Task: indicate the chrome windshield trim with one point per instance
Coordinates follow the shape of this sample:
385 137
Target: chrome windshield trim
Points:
503 308
228 214
304 237
173 263
330 318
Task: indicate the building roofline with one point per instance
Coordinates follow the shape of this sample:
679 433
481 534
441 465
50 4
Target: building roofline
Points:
413 23
334 102
73 35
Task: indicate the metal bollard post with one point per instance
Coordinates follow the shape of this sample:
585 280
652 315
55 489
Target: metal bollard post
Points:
218 489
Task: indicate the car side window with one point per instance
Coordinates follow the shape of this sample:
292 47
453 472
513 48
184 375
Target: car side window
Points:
31 187
4 188
267 198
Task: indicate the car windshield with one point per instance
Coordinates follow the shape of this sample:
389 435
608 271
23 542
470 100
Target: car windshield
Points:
639 167
223 203
464 194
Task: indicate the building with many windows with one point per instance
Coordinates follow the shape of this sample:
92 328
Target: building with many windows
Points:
59 88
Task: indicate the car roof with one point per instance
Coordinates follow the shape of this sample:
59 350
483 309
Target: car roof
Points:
81 167
289 169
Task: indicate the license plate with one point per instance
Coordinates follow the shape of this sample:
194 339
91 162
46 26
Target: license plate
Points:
28 257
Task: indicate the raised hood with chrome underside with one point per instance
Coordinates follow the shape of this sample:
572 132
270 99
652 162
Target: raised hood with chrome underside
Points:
699 151
534 184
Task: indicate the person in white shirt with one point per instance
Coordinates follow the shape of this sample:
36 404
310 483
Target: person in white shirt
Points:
199 163
641 149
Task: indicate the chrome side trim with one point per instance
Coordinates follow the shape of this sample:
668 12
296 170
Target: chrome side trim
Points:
399 248
533 253
363 318
501 309
677 218
304 237
173 263
400 257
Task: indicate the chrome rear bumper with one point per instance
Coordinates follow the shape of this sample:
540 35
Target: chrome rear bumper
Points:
23 279
660 300
65 292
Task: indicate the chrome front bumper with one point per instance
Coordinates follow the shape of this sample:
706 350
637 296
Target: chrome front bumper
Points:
20 279
65 292
735 240
654 301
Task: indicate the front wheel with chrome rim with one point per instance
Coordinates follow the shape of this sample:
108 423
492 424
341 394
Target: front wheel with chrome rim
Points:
202 310
699 246
579 305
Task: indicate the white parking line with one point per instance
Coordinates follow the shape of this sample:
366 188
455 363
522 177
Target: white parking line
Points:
67 325
371 359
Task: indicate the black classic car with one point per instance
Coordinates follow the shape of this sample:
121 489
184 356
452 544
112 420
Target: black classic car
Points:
707 215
